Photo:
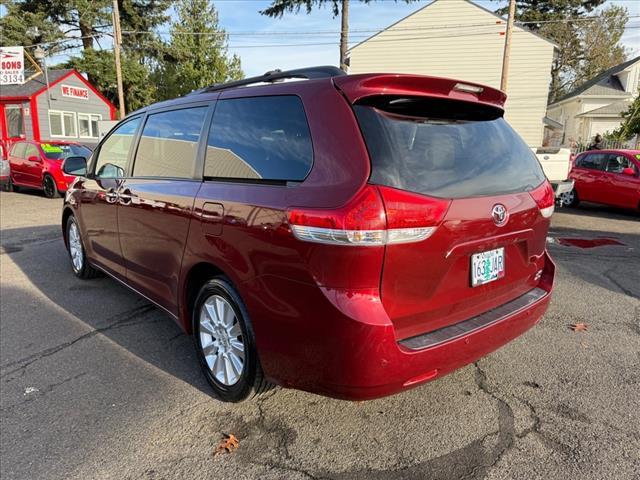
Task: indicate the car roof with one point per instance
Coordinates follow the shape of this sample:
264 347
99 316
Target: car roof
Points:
353 87
613 150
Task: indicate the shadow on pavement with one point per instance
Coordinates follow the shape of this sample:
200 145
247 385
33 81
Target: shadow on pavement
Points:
601 211
612 267
158 340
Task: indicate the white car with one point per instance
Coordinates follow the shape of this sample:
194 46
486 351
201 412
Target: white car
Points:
556 163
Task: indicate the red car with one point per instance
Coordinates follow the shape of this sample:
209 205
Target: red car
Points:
609 177
349 235
39 165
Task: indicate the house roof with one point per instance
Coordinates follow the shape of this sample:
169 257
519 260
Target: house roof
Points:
613 109
468 1
604 84
34 85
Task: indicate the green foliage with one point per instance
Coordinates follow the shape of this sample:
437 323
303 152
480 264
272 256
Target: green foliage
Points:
631 122
544 10
195 61
138 88
26 28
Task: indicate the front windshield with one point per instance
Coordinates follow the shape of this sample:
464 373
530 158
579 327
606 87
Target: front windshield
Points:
60 151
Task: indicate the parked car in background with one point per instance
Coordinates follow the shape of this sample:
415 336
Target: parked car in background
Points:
354 258
4 167
39 165
609 177
556 163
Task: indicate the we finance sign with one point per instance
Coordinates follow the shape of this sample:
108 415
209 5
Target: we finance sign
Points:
11 65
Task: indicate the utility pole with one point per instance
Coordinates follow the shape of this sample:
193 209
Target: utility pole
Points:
507 45
117 41
344 35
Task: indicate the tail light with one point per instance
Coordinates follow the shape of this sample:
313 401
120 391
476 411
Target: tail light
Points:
545 198
376 216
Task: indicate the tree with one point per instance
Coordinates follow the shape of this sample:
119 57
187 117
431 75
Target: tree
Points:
588 42
193 61
339 7
85 26
26 28
545 10
139 89
631 122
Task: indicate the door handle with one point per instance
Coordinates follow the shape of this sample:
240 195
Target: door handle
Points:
111 196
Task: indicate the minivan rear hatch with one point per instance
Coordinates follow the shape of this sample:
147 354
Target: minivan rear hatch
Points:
488 240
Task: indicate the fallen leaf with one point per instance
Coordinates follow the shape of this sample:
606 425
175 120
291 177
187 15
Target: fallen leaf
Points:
578 327
228 444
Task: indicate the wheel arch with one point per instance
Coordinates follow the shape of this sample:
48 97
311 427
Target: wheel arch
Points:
66 213
194 278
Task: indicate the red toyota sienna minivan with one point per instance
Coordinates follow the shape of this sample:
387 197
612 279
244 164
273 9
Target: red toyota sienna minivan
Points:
348 235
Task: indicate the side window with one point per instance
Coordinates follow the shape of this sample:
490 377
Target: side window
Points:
617 163
593 161
31 151
261 138
169 144
113 154
18 150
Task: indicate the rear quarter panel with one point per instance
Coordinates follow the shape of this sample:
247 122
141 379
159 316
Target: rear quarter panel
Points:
255 239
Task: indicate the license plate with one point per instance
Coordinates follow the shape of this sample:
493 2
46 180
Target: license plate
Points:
487 266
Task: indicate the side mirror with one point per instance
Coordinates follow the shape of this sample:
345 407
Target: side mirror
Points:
76 166
35 159
629 171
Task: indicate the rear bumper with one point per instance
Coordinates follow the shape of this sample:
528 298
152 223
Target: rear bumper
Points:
353 353
564 186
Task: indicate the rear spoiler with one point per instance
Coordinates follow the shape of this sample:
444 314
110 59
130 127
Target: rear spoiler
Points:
357 87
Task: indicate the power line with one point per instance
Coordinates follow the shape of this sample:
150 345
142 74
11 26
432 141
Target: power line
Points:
352 31
390 35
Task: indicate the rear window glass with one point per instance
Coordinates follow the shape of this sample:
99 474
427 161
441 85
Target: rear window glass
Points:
445 148
60 152
261 138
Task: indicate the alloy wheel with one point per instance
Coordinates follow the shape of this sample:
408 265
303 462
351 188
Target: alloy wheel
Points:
221 340
75 247
567 198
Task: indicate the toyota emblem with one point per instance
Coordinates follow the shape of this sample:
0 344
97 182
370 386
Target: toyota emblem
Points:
499 214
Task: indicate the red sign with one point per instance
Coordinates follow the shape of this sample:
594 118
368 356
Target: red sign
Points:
75 92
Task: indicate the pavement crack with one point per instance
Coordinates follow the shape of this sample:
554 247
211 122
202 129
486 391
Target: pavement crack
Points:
122 319
30 397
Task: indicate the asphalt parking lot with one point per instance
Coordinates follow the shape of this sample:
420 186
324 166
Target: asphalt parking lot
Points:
97 384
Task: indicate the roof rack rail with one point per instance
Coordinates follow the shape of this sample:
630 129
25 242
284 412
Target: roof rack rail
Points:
277 75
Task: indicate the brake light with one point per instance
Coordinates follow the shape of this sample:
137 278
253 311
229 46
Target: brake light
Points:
544 198
376 216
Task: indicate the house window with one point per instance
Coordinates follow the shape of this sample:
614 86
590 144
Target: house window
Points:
15 120
62 124
88 125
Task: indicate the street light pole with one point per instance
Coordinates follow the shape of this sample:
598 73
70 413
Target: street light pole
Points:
507 46
117 40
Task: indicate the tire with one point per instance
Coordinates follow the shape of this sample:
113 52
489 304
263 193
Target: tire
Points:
570 199
224 339
12 187
49 187
75 246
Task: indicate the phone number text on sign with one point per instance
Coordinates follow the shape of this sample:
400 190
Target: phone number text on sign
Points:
11 65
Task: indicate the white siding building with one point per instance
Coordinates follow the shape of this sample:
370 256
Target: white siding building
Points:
595 106
459 39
